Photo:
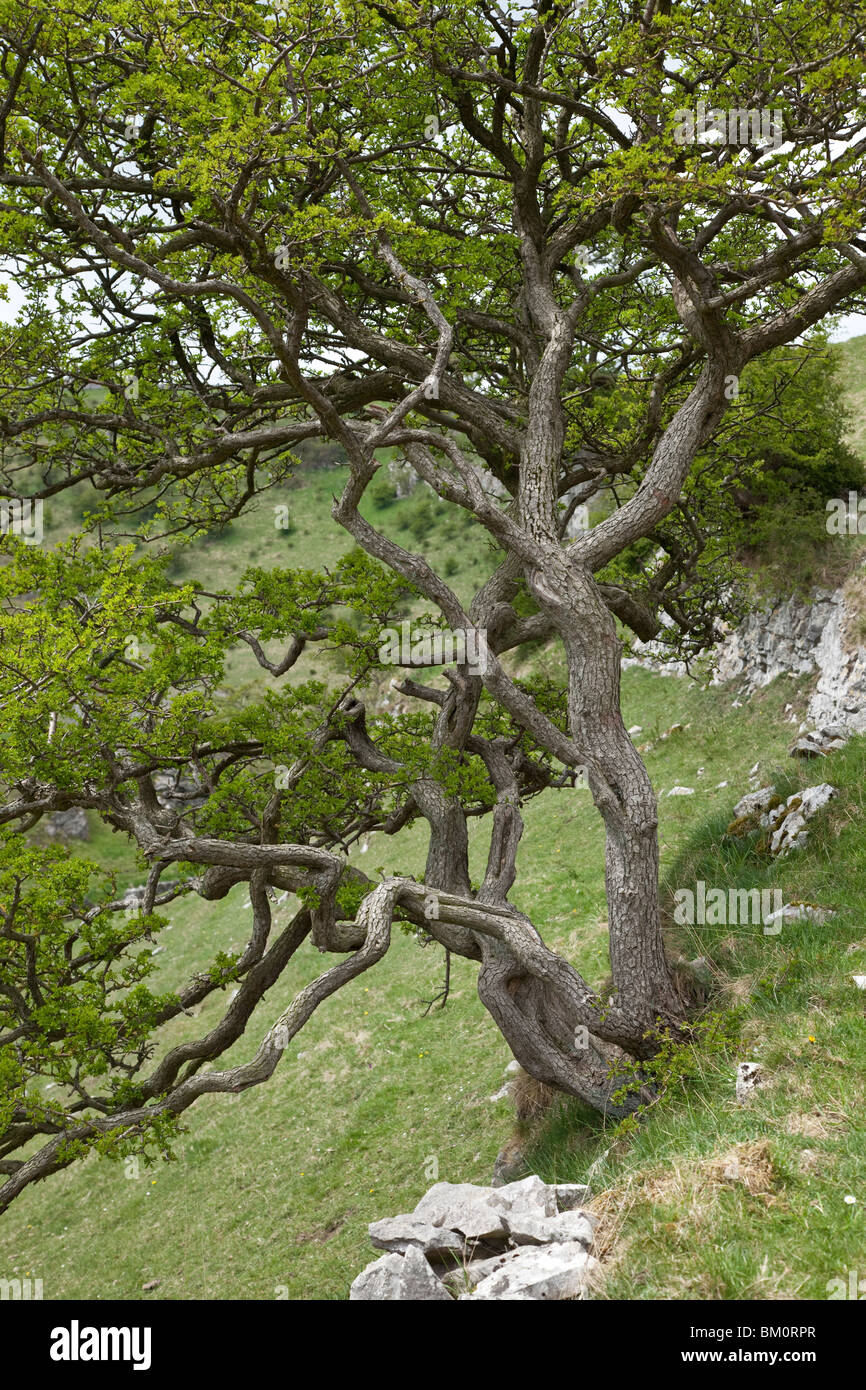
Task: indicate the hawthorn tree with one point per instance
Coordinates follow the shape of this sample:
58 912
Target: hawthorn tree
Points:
475 235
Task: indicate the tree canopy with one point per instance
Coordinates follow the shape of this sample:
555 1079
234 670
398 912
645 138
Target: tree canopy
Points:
469 234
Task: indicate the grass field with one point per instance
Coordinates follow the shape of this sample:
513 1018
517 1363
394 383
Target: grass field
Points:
271 1192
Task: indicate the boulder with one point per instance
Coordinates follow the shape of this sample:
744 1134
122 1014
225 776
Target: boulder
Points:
397 1233
787 821
813 798
799 912
749 1075
535 1273
791 834
820 742
461 1280
835 731
568 1226
463 1206
478 1212
407 1277
177 793
526 1240
806 747
528 1197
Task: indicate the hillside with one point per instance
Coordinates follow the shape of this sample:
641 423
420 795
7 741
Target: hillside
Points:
852 355
282 1181
270 1193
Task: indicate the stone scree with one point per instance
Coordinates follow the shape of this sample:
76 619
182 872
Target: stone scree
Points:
526 1240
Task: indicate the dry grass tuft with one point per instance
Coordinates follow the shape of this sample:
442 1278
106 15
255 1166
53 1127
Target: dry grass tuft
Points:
750 1165
532 1098
817 1123
690 1190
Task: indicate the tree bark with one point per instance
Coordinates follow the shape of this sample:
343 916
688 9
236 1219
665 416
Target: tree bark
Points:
622 792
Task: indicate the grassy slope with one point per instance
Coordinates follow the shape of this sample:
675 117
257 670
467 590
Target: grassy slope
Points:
272 1191
853 381
275 1188
779 1226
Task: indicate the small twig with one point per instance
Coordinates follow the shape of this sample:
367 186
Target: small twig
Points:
446 989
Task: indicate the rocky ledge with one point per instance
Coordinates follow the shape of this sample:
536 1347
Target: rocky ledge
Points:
784 819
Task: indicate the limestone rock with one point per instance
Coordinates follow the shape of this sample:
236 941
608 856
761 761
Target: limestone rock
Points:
820 742
397 1233
749 1075
461 1279
527 1240
537 1272
812 799
463 1207
407 1277
528 1197
786 822
478 1212
567 1227
778 638
806 747
178 793
833 731
797 912
754 803
789 636
68 825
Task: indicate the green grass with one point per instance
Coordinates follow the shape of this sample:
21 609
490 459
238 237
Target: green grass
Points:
852 355
676 1227
273 1190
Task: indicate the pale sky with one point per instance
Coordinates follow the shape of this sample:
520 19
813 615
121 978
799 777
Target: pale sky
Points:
850 326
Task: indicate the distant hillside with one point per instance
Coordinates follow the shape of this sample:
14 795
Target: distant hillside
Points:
853 358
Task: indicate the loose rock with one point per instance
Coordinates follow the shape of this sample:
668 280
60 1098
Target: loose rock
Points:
542 1233
570 1195
405 1277
558 1230
539 1272
397 1233
749 1075
68 825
